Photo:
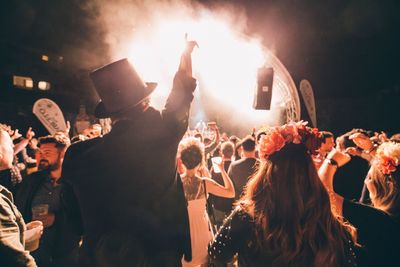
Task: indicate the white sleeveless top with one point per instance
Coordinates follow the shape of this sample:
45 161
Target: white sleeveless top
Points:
200 234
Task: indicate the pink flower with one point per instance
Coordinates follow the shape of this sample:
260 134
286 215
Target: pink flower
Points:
271 142
386 165
291 133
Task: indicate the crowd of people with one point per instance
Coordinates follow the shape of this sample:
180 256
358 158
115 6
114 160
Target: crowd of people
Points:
152 192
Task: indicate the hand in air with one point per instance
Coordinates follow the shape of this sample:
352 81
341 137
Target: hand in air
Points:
362 141
340 157
29 134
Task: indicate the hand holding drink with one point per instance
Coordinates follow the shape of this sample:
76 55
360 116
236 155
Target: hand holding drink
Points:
41 213
32 235
217 164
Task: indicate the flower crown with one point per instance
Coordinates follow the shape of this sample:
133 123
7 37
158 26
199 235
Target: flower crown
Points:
387 157
293 132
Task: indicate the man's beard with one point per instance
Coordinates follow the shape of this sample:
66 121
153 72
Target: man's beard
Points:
45 165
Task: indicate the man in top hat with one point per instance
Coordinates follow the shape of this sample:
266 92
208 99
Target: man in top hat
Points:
122 192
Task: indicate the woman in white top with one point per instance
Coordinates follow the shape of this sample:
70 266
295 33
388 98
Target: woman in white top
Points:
196 189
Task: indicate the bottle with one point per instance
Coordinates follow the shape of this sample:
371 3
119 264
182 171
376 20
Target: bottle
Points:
82 120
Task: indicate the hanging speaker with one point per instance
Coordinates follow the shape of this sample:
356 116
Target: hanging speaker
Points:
263 94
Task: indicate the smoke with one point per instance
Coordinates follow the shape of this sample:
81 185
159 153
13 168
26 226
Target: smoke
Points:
151 34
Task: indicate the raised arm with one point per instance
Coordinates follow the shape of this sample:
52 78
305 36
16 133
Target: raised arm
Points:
216 141
227 190
176 110
335 159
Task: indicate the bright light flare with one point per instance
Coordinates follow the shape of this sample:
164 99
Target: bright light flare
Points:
225 64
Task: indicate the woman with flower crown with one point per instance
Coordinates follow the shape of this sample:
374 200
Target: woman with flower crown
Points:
284 218
378 226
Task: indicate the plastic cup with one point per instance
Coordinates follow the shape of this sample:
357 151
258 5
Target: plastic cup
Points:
39 210
32 236
215 162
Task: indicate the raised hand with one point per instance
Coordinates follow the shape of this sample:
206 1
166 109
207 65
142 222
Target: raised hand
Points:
29 134
362 141
15 134
186 58
340 157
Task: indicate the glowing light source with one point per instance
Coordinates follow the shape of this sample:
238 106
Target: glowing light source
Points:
226 62
43 85
225 65
45 58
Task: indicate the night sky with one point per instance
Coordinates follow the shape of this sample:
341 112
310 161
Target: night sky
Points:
346 49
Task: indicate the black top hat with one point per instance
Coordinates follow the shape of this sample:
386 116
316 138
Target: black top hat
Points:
119 87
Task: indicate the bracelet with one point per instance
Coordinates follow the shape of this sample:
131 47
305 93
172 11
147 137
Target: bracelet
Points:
332 162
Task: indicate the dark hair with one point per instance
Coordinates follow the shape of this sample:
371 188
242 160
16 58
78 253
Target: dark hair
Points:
191 155
59 139
292 212
325 135
260 133
395 138
248 144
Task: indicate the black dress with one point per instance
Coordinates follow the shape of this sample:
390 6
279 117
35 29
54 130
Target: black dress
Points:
378 233
237 236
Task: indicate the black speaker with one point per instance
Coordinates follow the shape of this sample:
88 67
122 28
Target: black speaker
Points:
263 94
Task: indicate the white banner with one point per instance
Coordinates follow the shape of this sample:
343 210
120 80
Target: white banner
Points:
309 101
50 115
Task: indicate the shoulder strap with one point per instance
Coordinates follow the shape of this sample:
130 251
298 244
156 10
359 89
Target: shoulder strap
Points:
205 190
210 210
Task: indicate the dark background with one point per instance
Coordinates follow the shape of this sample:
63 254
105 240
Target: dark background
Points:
348 50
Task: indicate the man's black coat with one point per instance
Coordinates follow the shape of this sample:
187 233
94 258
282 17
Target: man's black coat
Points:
122 190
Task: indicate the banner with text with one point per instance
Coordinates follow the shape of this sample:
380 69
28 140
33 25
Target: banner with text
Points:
50 115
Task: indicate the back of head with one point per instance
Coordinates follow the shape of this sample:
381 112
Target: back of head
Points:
191 152
248 143
325 135
290 205
60 140
385 175
227 149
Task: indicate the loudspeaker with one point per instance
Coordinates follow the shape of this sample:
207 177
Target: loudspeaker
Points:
263 93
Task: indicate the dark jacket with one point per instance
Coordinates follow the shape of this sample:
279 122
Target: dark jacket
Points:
66 240
132 210
238 236
221 203
240 171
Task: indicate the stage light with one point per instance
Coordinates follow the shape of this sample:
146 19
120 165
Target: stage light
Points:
45 58
43 85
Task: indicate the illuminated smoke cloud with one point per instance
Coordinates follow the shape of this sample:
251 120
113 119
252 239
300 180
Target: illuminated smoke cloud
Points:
151 35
